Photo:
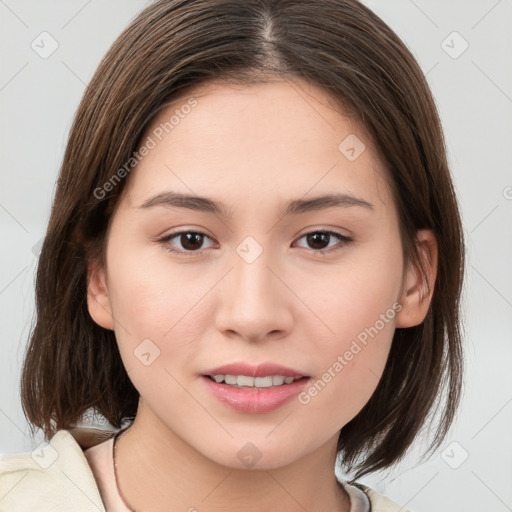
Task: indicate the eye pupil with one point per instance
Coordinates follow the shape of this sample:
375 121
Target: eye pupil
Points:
316 237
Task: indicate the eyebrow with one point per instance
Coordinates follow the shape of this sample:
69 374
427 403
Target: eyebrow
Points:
294 207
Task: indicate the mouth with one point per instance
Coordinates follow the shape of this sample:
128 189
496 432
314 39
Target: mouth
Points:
256 397
250 388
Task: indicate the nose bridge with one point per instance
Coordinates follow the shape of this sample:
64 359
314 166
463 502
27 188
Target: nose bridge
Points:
253 299
251 275
251 278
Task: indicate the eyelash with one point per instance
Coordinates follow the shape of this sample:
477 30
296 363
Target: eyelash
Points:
345 240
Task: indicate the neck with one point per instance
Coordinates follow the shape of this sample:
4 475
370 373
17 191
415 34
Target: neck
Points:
158 471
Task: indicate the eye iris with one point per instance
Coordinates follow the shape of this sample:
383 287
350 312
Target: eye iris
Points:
190 239
314 238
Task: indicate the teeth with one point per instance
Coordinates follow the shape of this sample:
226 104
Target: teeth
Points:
241 380
230 379
256 382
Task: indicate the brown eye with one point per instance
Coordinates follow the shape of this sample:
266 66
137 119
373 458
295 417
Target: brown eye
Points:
319 240
187 241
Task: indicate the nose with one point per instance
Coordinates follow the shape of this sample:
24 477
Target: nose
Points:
254 302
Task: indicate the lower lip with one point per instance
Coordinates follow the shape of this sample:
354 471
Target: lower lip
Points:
255 400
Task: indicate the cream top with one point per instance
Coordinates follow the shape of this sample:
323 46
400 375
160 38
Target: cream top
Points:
74 471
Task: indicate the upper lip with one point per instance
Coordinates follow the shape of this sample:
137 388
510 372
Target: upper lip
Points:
260 370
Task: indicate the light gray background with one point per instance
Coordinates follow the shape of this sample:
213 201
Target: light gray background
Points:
38 98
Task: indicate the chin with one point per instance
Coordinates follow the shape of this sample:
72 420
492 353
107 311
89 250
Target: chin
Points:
255 456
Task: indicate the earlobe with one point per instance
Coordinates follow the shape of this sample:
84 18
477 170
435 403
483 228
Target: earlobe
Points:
419 279
98 301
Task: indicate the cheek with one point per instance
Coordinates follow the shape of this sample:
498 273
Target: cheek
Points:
156 308
360 310
156 331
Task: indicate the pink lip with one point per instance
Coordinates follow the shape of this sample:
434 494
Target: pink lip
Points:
254 400
260 370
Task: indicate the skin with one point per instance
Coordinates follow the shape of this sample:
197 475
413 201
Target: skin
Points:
290 306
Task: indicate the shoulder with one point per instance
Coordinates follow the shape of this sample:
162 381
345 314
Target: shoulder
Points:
379 502
54 477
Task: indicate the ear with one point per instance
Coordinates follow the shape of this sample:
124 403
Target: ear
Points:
418 284
98 301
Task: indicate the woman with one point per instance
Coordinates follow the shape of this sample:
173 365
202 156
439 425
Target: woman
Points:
252 267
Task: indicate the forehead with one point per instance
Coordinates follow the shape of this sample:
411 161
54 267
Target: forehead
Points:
279 139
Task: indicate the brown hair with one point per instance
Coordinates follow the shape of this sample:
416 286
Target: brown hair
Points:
72 364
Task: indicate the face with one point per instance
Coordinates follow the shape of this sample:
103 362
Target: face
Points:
270 273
